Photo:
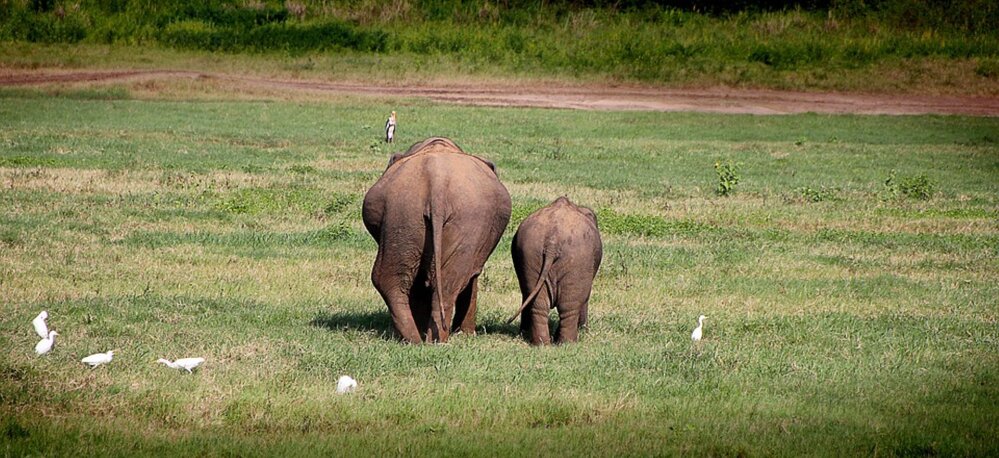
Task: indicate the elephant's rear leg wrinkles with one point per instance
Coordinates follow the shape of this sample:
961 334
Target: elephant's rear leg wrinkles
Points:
535 318
390 287
402 316
569 318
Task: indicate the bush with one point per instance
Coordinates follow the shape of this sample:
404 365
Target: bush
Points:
917 187
728 177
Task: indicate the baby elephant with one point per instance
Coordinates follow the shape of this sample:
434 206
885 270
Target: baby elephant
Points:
557 249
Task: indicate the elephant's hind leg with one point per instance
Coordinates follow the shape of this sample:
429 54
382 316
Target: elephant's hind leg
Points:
538 319
568 323
465 307
402 315
396 296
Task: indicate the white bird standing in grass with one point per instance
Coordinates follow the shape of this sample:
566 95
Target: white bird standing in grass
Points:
345 384
39 323
390 128
97 359
43 346
699 330
183 363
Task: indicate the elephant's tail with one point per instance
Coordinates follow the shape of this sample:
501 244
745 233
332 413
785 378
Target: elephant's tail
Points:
547 259
437 227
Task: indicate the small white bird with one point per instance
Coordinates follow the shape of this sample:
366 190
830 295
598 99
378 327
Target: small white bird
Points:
390 128
43 346
97 359
183 363
698 331
39 323
345 384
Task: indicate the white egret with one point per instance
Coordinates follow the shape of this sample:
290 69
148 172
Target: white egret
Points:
699 330
39 323
43 346
183 363
390 128
97 359
345 384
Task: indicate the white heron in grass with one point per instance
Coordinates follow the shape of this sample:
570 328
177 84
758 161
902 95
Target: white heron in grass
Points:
43 346
390 128
699 330
39 323
345 384
183 363
97 359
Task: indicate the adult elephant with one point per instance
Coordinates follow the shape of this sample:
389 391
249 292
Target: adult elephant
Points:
437 214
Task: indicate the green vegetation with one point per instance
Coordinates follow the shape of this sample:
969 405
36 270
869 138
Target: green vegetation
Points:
841 322
948 45
728 177
918 187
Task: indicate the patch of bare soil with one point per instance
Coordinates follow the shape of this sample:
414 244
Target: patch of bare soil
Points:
585 97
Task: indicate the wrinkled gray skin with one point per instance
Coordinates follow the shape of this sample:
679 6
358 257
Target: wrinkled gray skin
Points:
556 252
437 214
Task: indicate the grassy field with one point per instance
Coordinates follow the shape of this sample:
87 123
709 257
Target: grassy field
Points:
846 316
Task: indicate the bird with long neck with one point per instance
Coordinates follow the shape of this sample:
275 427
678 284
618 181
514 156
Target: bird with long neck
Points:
390 128
699 330
46 344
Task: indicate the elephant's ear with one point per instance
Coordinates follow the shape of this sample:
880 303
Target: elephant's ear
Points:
392 160
491 166
590 214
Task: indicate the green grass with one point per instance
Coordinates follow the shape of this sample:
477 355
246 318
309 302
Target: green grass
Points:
843 318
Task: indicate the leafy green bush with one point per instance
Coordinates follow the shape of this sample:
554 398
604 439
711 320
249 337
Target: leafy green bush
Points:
728 177
917 187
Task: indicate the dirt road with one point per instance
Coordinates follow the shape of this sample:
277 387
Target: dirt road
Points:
584 97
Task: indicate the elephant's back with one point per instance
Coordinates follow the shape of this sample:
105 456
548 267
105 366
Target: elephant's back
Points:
458 184
561 228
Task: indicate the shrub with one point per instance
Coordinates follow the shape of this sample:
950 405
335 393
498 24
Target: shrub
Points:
728 177
917 187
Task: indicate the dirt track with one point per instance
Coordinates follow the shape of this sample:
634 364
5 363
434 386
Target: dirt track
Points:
587 97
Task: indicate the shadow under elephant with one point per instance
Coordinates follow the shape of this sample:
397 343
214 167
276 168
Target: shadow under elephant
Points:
380 322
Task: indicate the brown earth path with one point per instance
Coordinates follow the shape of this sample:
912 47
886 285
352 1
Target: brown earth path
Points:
585 97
